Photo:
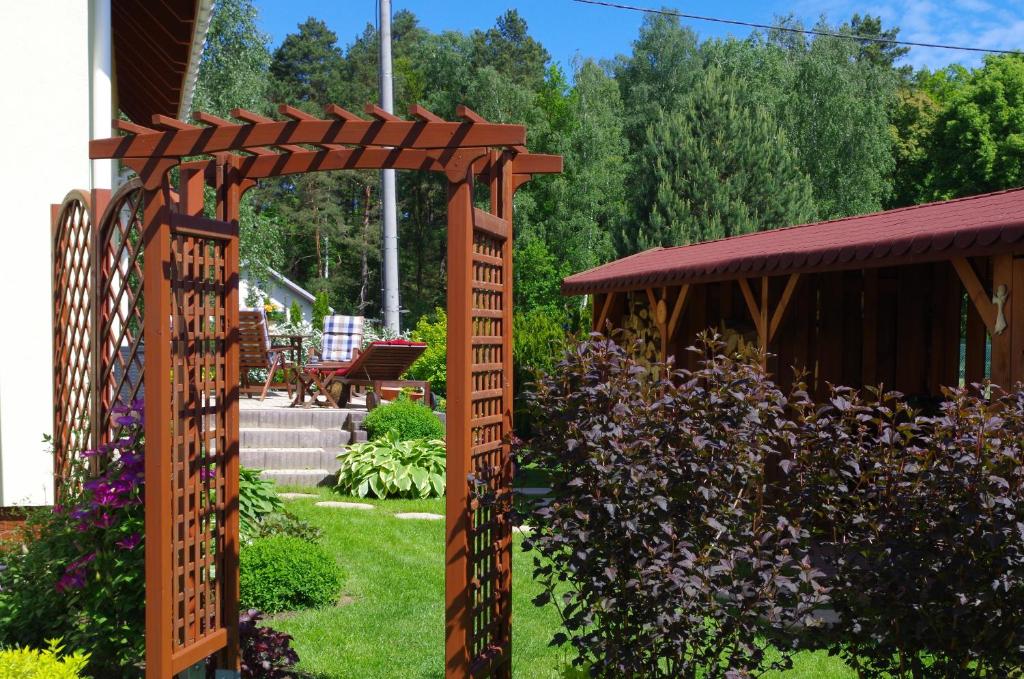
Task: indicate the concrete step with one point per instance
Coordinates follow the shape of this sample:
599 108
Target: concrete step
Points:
300 418
273 459
280 437
299 477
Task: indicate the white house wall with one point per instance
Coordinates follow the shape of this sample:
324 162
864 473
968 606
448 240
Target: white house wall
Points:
44 49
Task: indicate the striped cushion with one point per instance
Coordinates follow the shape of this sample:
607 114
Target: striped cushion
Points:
342 336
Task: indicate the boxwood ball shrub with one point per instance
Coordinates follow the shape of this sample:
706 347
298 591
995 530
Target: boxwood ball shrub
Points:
660 548
282 573
405 419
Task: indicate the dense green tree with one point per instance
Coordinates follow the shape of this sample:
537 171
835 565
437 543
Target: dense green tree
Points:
721 167
875 51
307 67
509 49
978 143
235 62
232 74
912 124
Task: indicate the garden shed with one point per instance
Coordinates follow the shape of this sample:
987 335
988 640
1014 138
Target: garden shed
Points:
914 298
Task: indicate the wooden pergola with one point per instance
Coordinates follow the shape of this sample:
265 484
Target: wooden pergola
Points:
146 293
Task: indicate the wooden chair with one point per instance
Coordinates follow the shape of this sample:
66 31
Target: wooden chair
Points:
342 342
257 353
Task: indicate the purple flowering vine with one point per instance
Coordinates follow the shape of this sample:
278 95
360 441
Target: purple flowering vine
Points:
108 510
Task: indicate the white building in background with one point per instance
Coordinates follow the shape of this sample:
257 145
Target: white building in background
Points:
276 290
63 64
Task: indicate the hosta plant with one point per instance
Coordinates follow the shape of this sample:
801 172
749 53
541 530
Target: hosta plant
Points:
257 498
388 467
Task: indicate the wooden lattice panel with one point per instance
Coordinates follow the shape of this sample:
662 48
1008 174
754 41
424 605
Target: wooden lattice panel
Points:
72 331
120 298
199 439
490 527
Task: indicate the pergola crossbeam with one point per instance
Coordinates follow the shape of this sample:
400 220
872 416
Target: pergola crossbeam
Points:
344 129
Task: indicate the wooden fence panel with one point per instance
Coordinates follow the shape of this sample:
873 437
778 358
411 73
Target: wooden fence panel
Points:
72 289
200 438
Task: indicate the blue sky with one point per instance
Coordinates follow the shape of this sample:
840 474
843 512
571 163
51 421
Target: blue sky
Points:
567 28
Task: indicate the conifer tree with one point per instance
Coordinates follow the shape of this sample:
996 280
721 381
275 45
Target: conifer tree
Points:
720 167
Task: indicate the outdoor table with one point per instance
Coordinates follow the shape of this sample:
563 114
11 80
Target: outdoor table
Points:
293 343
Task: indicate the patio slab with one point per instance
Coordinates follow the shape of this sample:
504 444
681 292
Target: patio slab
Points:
419 515
344 505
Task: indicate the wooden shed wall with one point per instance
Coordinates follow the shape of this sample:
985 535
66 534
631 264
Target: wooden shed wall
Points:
899 326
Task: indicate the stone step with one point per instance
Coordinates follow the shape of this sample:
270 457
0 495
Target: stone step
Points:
280 437
273 459
299 477
301 418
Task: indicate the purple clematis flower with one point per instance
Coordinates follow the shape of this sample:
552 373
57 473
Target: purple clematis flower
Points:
130 542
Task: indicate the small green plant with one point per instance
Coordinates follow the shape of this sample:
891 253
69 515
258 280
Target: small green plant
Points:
321 307
295 312
257 497
390 467
282 573
50 663
285 523
405 419
432 365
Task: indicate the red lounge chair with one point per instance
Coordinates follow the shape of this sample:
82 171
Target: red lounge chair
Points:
380 364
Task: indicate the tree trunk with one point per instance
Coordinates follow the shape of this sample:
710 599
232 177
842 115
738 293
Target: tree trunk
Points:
364 265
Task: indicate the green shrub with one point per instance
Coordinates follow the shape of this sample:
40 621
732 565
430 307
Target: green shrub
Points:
321 308
539 340
27 663
432 365
285 523
257 497
390 467
404 418
283 573
295 313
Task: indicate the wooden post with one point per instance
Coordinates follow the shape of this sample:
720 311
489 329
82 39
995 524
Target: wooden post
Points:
1002 347
158 468
1015 320
504 190
869 347
459 627
228 208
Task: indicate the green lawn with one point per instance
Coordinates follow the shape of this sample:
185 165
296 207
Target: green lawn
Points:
391 620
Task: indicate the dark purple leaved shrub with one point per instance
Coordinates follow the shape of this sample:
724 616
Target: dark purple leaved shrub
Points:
920 521
662 548
265 653
697 518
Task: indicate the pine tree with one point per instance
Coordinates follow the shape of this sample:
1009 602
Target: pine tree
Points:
720 167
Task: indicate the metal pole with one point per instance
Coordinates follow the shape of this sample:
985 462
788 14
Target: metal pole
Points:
100 70
389 216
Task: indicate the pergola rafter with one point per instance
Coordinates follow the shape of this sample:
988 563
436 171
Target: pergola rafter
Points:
345 128
190 276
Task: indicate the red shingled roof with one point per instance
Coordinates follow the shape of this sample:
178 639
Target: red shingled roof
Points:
976 225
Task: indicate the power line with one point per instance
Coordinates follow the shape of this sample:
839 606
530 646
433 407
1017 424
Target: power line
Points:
788 29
